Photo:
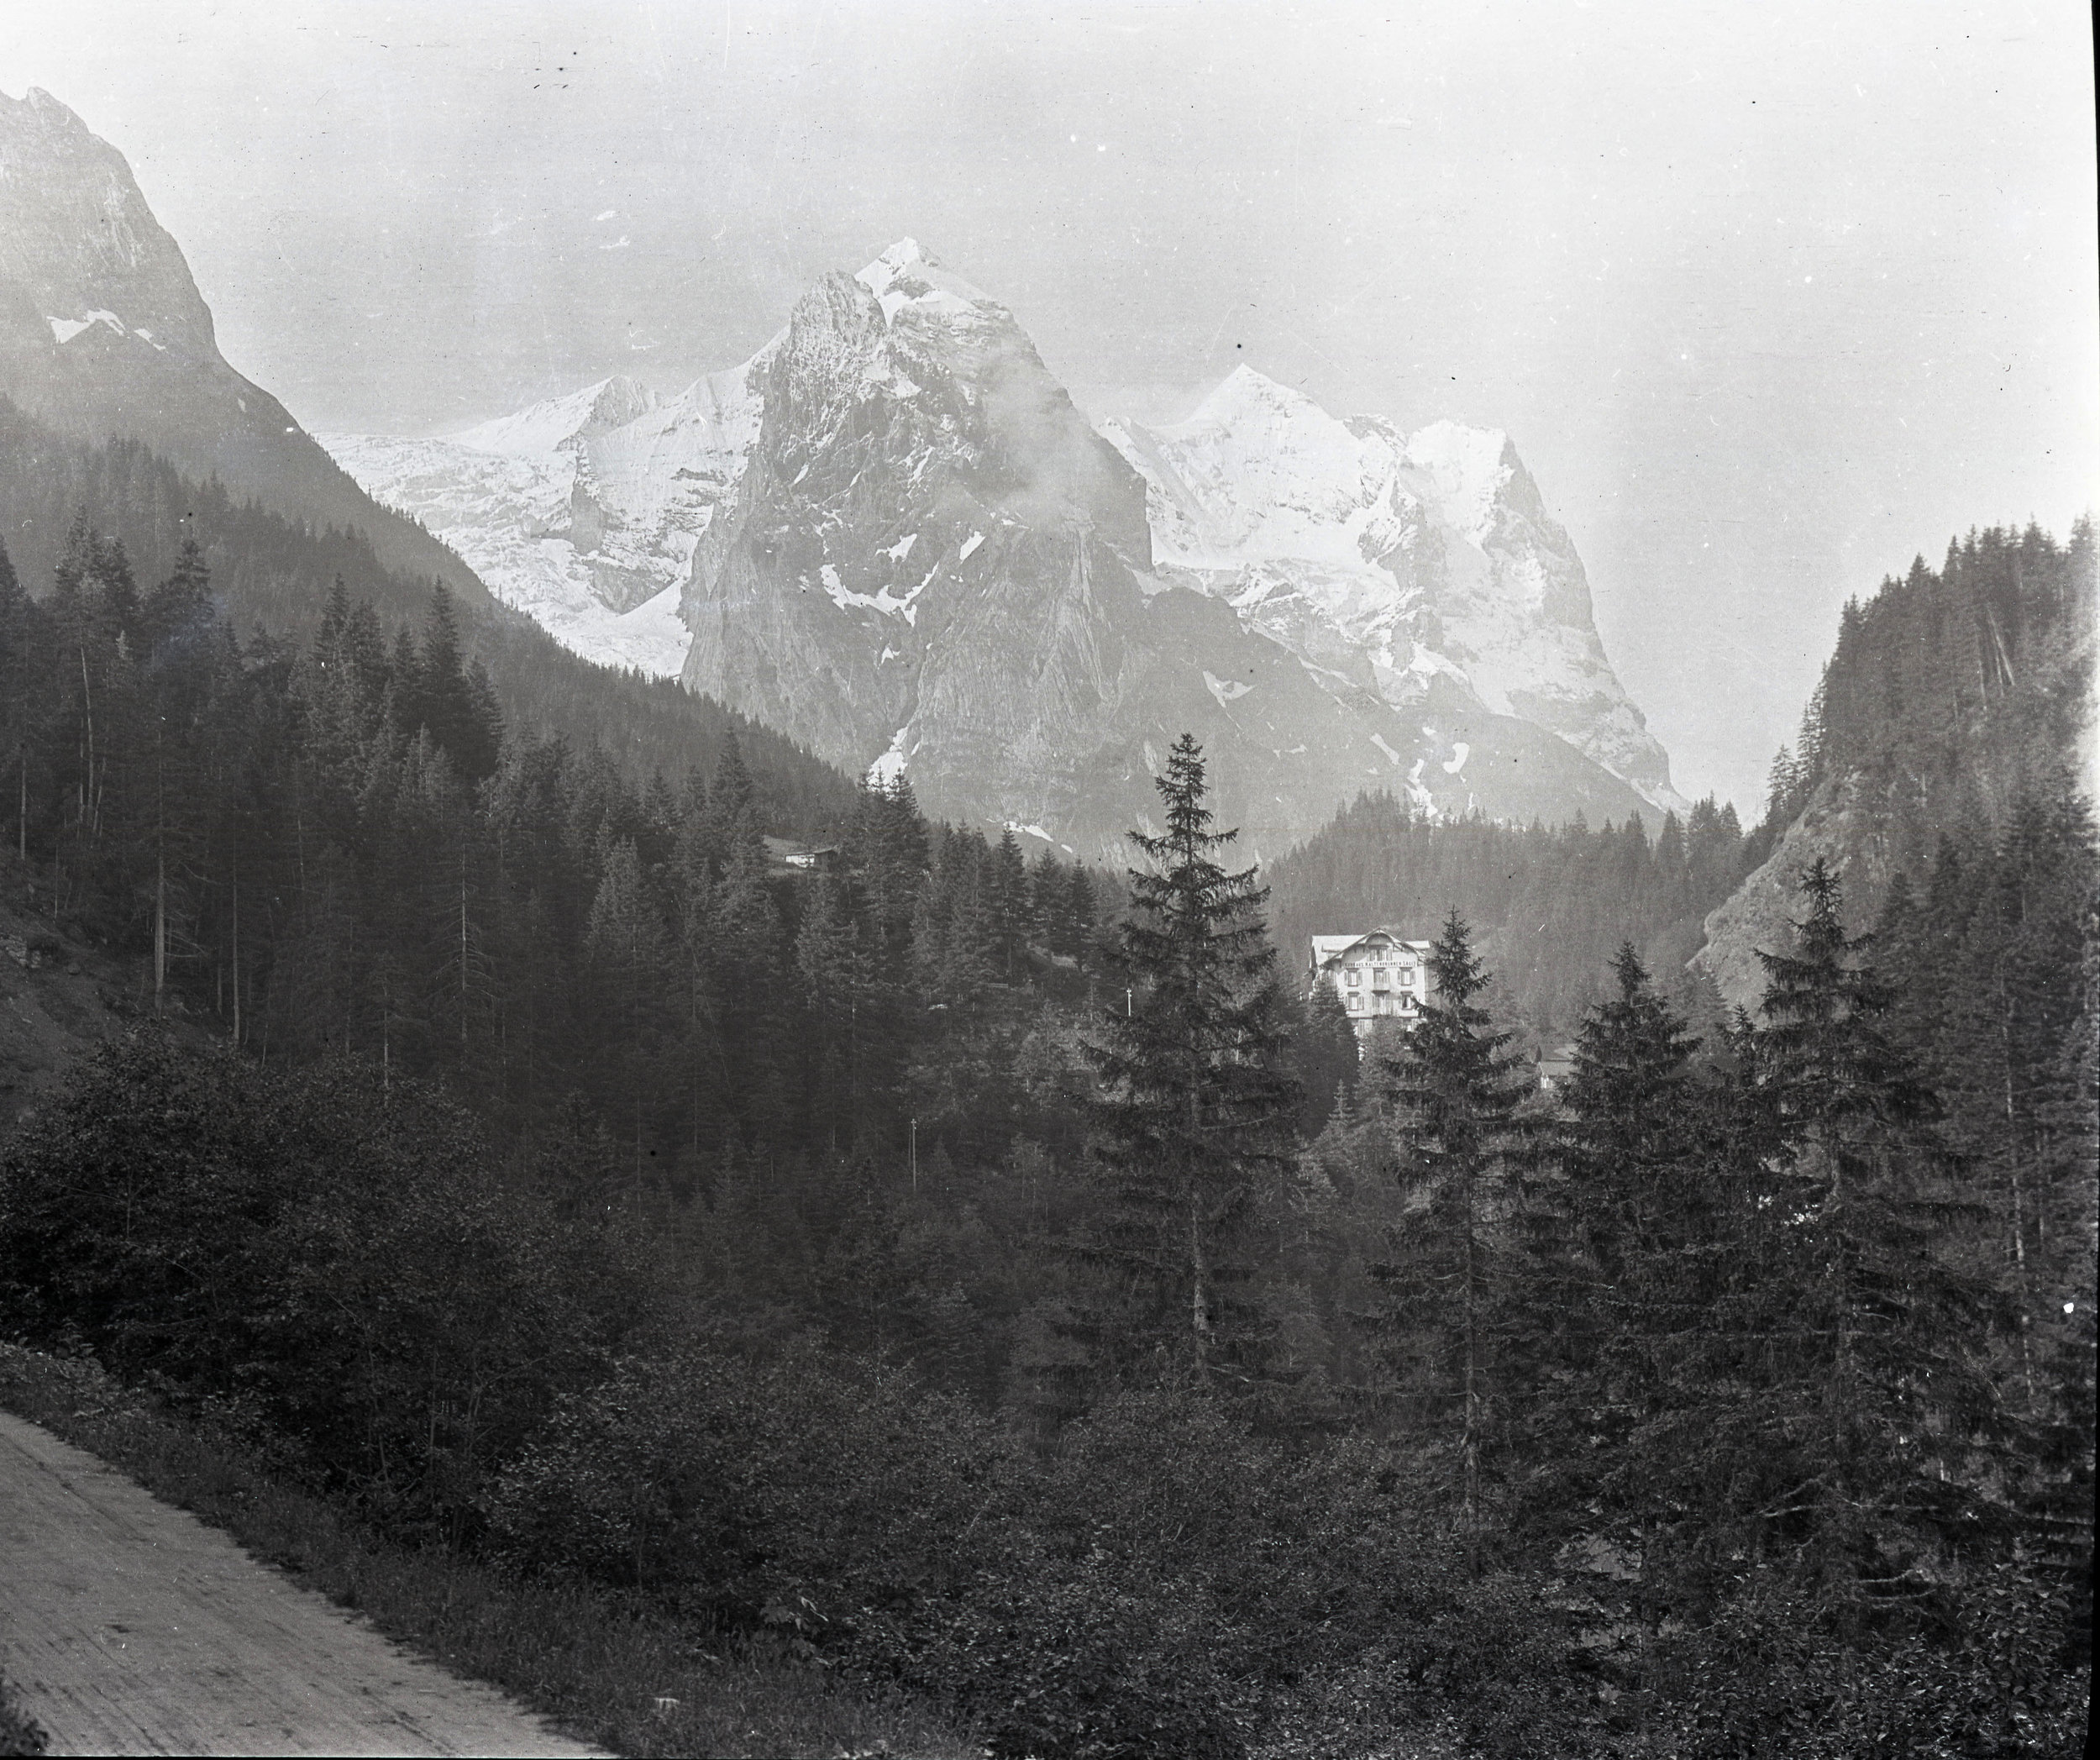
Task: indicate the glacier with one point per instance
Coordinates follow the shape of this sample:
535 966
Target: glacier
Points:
1381 558
581 511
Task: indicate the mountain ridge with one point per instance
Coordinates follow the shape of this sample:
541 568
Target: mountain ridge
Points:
116 405
890 533
933 564
1954 701
911 458
103 333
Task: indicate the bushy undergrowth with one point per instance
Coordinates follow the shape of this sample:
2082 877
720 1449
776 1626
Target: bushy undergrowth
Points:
322 1269
548 1471
1164 1582
322 1262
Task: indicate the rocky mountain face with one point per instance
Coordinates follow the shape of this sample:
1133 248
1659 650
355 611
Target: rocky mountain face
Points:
1953 719
1838 826
1385 560
115 403
932 566
582 511
892 534
102 333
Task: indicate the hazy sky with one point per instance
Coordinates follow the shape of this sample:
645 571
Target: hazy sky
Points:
1771 297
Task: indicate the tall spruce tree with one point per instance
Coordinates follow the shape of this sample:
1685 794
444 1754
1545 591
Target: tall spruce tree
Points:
1455 1091
1858 1346
1629 1124
1626 1234
1197 1102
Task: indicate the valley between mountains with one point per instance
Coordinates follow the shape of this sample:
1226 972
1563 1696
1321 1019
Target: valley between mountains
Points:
846 1060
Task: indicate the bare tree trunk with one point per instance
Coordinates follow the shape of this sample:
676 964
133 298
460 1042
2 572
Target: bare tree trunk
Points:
237 946
87 773
1199 1268
1199 1272
2020 1193
1469 1438
159 876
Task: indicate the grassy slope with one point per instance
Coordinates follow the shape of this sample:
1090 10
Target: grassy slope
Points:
635 1683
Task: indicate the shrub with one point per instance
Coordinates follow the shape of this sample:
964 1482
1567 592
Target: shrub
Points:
1155 1587
323 1261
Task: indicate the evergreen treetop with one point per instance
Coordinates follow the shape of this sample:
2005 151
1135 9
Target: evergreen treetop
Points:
1196 1100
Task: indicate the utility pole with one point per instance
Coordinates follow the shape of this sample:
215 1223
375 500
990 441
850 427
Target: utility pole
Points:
915 1157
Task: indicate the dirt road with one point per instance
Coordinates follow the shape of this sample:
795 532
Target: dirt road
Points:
132 1628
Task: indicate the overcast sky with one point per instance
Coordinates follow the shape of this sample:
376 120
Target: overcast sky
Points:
1769 298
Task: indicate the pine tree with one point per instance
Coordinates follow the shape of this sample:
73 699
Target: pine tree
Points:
1082 914
1630 1125
1624 1233
25 670
1326 1057
1870 1398
849 1047
1197 1105
1454 1091
1006 889
743 942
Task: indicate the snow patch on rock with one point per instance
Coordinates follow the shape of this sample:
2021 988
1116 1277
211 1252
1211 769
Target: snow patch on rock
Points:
886 771
65 329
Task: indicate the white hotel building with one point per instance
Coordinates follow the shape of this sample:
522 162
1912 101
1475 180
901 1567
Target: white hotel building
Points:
1377 975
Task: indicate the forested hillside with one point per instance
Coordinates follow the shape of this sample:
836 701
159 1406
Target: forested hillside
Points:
342 846
275 575
1953 693
970 1275
1957 698
1550 905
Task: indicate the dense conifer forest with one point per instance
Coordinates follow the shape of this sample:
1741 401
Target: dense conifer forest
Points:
1000 1279
1550 905
272 574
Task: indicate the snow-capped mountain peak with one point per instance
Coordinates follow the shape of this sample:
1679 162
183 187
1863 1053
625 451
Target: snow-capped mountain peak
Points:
543 428
1466 472
1258 472
1384 559
1245 398
892 533
905 275
582 509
